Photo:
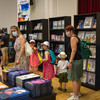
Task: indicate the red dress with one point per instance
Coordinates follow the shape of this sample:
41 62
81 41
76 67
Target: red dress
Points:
48 69
34 60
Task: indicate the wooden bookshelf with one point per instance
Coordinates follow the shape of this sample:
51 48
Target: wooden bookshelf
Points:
59 30
92 83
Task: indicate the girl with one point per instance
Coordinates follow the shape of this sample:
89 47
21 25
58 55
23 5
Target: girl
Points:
34 60
48 68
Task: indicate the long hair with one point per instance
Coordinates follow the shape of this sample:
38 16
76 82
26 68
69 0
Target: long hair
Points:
18 31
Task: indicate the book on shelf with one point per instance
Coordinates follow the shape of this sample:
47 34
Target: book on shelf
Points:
90 37
59 26
95 24
39 26
93 51
56 48
31 37
23 27
35 36
91 65
84 64
84 77
81 35
80 24
89 21
54 24
62 24
91 78
61 48
39 46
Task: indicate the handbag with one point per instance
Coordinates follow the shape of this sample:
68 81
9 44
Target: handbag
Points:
28 49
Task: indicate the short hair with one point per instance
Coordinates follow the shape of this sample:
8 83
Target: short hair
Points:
1 31
70 28
18 30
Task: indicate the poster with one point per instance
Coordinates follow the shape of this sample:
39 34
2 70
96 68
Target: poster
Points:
23 10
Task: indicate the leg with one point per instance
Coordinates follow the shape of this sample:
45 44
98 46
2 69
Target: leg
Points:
64 85
60 85
79 85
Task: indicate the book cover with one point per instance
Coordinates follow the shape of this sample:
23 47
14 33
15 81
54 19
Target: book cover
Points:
91 78
52 37
84 64
54 24
20 27
90 37
89 21
62 24
31 36
56 48
93 51
39 47
81 35
80 24
59 24
61 48
91 65
84 77
95 24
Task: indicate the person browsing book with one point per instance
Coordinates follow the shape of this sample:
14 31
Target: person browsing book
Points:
62 67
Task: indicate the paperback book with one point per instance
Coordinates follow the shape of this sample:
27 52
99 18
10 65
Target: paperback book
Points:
62 24
80 24
39 26
93 51
59 25
84 77
91 78
91 65
81 35
54 24
95 24
84 64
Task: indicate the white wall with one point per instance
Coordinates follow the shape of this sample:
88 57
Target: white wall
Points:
8 13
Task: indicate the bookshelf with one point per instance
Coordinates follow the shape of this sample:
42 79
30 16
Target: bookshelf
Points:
87 32
25 28
39 32
58 40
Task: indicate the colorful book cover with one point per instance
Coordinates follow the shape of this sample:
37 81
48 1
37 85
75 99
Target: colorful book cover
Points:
62 24
80 24
90 37
89 21
61 48
91 78
59 25
56 48
91 65
52 37
84 64
93 51
81 35
84 77
54 24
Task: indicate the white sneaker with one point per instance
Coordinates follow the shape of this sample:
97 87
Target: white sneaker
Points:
73 98
79 94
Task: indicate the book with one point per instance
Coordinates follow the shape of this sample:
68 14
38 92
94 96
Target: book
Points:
39 46
91 65
57 37
84 77
61 48
89 21
95 24
54 24
93 51
62 24
80 24
31 36
91 78
90 37
84 64
81 35
56 48
59 24
39 26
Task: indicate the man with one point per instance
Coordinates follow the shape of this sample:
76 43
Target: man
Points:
4 47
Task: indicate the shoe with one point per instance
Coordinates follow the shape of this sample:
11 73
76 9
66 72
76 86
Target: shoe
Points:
73 98
79 94
64 90
60 88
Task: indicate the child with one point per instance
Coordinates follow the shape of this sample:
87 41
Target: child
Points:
34 60
62 67
48 68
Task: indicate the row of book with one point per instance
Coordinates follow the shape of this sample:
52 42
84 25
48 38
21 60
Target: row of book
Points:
23 27
89 37
57 48
39 26
58 37
58 24
35 36
89 65
89 22
88 78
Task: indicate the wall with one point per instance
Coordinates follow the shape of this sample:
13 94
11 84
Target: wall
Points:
8 13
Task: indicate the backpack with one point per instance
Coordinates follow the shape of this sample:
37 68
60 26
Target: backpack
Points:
84 50
53 57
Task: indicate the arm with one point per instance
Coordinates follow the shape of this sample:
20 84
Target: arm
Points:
2 43
22 43
46 57
74 49
1 61
57 69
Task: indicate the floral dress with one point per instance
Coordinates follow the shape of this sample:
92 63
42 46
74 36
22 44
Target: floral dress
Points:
24 61
48 69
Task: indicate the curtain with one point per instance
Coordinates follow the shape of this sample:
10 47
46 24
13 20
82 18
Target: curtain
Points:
88 6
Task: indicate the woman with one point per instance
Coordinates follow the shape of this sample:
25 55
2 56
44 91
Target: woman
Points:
21 61
75 63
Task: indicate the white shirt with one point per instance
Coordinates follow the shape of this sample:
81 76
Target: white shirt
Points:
62 64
